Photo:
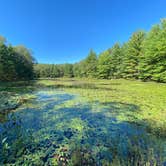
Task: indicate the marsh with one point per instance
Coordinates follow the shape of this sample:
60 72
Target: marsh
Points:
80 122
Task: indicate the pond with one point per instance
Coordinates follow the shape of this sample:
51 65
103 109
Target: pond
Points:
59 128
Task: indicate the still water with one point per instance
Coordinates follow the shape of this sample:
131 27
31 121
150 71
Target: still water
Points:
59 128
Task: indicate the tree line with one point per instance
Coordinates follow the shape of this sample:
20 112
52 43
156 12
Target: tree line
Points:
53 70
16 62
143 57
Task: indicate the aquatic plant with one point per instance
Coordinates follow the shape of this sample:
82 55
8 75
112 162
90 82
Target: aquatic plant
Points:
64 127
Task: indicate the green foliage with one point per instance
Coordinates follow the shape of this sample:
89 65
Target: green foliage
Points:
46 71
15 62
91 64
86 67
103 66
153 62
142 57
53 71
24 62
6 63
68 70
132 53
116 61
79 69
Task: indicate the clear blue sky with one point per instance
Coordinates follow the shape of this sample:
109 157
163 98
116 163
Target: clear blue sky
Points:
60 31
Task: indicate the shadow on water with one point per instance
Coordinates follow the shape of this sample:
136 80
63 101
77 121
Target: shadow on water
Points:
46 132
116 141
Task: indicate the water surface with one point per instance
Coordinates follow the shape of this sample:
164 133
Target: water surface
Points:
59 128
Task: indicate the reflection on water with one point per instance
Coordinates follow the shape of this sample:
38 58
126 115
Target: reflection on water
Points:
60 129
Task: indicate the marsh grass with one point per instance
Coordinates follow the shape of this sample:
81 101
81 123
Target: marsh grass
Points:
149 97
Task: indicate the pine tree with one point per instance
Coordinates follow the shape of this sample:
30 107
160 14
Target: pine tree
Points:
90 64
103 66
116 61
153 62
132 54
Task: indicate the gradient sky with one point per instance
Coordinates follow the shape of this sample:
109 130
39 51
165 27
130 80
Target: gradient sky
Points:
60 31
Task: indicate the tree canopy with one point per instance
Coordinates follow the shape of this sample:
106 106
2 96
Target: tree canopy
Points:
16 63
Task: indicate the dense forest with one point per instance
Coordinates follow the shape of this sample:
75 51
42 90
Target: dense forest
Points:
16 63
143 57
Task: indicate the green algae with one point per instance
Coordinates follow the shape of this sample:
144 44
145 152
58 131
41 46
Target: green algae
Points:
58 127
149 97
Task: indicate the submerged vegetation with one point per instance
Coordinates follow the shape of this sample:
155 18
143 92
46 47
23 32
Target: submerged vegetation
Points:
12 95
148 99
85 122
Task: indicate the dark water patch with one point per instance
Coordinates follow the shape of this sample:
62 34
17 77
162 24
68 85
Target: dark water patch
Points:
68 133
